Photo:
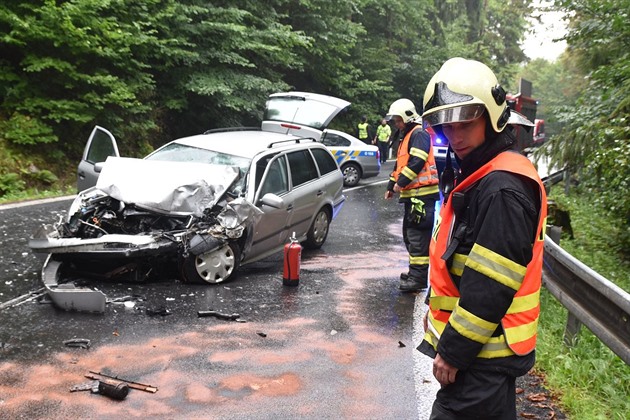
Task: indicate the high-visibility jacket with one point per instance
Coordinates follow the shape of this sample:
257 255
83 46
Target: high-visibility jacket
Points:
383 132
363 131
422 183
520 323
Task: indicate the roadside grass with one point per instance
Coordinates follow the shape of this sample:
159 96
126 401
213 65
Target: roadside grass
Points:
35 194
592 382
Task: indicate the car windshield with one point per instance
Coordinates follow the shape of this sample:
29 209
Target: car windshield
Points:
175 152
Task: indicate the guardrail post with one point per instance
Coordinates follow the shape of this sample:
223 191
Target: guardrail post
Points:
572 329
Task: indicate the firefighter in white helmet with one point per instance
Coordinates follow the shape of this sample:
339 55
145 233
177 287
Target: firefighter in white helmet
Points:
486 250
415 179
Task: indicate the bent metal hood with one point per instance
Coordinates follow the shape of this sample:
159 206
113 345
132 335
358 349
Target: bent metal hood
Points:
176 188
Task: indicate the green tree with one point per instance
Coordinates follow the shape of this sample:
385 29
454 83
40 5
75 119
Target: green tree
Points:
594 139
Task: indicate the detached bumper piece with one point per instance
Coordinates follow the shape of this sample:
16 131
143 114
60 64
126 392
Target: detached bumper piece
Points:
66 295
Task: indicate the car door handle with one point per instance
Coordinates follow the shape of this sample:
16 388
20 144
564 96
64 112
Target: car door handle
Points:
320 193
290 207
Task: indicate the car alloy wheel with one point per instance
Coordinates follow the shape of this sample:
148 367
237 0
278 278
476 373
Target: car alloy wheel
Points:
212 267
351 174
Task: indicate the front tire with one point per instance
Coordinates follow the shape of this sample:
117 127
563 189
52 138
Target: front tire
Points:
212 267
351 174
316 235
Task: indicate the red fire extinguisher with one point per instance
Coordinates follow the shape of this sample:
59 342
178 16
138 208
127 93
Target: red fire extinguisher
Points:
292 255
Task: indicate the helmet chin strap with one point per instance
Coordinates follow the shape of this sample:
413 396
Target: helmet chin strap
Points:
447 179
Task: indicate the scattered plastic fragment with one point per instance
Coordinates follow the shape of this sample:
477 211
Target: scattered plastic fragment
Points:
401 344
262 334
161 311
228 317
83 343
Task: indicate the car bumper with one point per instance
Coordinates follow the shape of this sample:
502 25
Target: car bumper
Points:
106 246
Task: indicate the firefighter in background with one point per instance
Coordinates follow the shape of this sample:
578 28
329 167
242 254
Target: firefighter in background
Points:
383 133
364 131
415 179
486 251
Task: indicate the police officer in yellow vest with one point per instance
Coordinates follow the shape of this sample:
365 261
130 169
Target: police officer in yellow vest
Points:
383 133
486 250
364 131
415 179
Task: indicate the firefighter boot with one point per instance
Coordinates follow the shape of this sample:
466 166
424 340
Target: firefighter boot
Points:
412 285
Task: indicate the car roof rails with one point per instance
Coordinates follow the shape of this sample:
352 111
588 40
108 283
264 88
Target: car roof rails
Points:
296 141
227 129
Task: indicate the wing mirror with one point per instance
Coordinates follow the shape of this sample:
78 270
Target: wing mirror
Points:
272 200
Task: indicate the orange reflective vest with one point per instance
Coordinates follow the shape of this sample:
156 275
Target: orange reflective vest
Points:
521 320
425 182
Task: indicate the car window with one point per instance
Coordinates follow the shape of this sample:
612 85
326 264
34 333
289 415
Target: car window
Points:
183 153
276 180
324 160
335 140
100 148
302 167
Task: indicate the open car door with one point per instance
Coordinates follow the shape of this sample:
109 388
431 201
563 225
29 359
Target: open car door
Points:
301 113
100 145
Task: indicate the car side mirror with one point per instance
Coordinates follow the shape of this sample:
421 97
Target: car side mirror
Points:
98 167
272 200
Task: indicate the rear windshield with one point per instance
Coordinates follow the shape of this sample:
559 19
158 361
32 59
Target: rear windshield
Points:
300 111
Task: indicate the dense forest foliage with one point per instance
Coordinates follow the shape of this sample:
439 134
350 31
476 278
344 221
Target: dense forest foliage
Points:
154 70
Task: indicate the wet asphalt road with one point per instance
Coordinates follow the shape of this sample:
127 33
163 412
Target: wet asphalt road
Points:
340 345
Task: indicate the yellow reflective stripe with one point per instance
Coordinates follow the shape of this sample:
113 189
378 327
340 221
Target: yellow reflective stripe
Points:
417 192
459 261
521 332
524 303
541 237
445 303
431 339
418 260
391 178
409 173
471 326
496 266
495 347
414 151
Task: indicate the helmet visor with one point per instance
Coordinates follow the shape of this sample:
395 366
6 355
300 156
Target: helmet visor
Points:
454 115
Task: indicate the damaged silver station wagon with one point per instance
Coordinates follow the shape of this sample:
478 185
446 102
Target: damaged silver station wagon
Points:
203 204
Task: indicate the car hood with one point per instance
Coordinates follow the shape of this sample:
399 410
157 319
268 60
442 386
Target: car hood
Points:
177 188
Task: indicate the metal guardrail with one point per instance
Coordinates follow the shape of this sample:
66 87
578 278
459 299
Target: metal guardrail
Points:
592 300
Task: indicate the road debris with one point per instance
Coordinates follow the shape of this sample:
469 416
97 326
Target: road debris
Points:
220 315
401 344
113 380
83 343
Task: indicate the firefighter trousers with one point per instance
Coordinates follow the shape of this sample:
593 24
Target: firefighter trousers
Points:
476 395
417 237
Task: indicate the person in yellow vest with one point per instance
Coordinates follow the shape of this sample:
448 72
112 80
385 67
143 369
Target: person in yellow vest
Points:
486 249
415 179
383 133
364 131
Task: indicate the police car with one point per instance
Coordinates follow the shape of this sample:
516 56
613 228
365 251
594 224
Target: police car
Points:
356 159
